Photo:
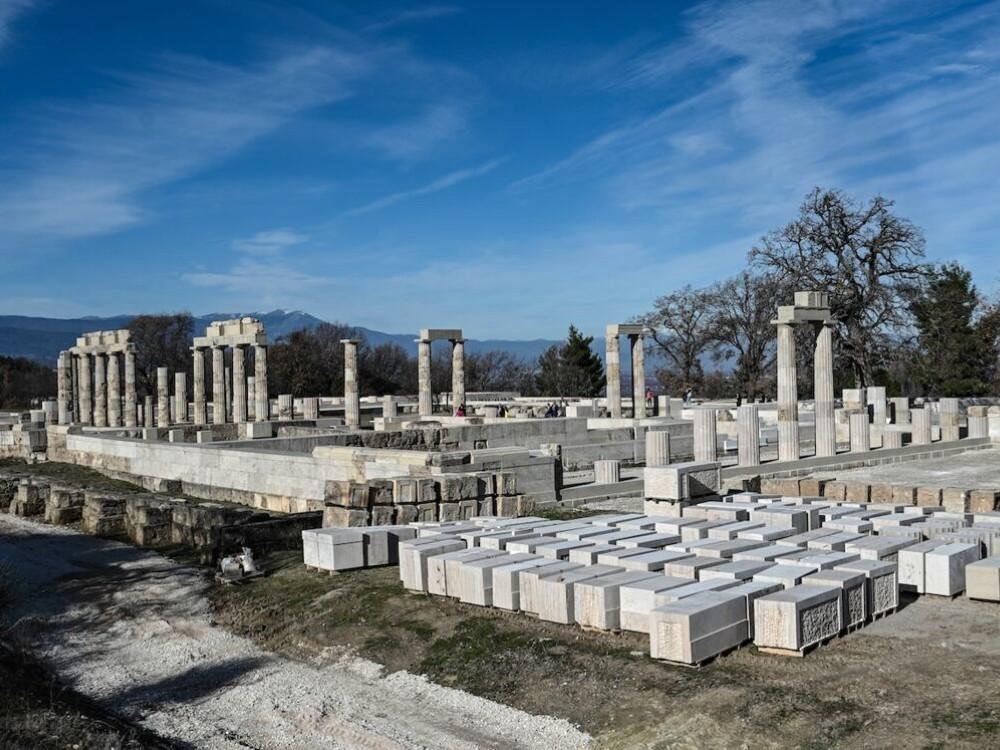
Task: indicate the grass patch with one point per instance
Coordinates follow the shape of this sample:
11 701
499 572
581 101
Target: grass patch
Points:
565 513
968 722
70 474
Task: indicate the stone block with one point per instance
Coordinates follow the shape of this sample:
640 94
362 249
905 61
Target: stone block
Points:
381 545
638 599
788 575
413 556
955 499
982 579
690 567
697 628
878 547
833 542
336 516
476 576
857 492
682 481
175 435
911 568
426 512
882 588
904 493
597 601
441 567
944 572
984 501
751 591
928 496
529 581
736 570
256 430
339 549
798 617
507 581
853 596
767 553
835 490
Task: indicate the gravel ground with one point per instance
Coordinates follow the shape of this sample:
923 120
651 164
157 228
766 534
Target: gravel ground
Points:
132 630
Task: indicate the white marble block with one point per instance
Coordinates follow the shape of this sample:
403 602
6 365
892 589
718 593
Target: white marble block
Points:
554 597
339 549
476 577
597 601
882 589
982 579
751 591
853 598
528 583
911 566
637 600
787 575
382 543
697 628
797 617
945 567
507 582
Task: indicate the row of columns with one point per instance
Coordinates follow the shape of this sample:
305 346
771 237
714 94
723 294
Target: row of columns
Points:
788 396
612 361
237 392
89 388
425 395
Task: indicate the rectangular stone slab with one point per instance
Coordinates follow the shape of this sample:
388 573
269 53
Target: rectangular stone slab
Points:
439 566
587 555
828 560
507 582
413 559
692 588
725 549
878 547
788 576
751 591
945 567
527 544
736 570
797 617
339 549
597 601
732 530
690 567
615 556
476 577
654 560
650 541
529 583
853 594
560 549
911 567
555 594
833 542
883 584
697 628
767 553
982 579
382 543
636 600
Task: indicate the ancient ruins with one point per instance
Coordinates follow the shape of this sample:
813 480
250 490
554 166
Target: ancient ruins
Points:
780 524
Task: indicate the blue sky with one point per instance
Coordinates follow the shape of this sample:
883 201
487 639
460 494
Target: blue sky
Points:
503 167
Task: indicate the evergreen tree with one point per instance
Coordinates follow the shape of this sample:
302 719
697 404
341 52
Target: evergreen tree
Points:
571 369
956 346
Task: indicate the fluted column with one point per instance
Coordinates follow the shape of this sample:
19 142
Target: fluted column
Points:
262 410
131 405
788 395
198 362
86 394
239 384
705 436
657 448
425 403
826 426
100 391
457 374
638 376
251 399
64 384
748 434
75 389
162 397
180 397
352 401
920 420
114 391
861 439
147 411
388 407
613 366
948 418
218 385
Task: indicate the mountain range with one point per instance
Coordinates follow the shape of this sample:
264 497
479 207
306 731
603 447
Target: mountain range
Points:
42 339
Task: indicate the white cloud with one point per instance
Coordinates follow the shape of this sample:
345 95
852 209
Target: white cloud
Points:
271 242
421 135
9 11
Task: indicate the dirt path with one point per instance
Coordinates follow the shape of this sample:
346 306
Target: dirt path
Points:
133 631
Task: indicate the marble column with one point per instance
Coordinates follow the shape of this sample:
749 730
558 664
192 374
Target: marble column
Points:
162 397
948 418
607 472
352 399
875 397
861 439
920 421
180 397
663 406
198 362
239 384
389 407
748 434
425 404
788 395
705 435
310 408
227 384
637 344
218 385
657 448
892 439
251 399
979 426
86 395
131 406
899 410
114 391
75 390
613 366
64 384
286 407
100 391
147 412
457 374
261 407
826 426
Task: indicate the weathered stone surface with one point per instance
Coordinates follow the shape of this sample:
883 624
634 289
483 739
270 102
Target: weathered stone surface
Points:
982 579
413 556
697 628
882 587
787 575
853 599
944 572
911 566
797 617
682 481
597 602
507 581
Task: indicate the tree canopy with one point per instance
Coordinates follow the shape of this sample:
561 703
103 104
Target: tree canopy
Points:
571 368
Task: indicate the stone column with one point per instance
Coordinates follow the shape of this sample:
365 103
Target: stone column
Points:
218 385
607 472
251 399
310 408
352 399
114 391
979 425
64 384
389 407
198 363
826 426
892 439
612 363
86 395
637 344
100 391
705 435
261 407
181 396
657 448
663 406
457 374
877 409
425 405
920 421
899 410
861 439
147 412
748 434
788 395
131 417
948 417
286 407
75 390
227 385
239 384
162 397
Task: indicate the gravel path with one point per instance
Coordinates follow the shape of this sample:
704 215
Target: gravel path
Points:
133 631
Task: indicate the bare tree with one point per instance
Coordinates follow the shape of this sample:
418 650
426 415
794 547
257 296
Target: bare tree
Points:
742 309
160 341
681 325
865 256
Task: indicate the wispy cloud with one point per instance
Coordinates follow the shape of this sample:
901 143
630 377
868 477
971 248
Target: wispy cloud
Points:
265 281
269 243
9 11
413 15
421 135
441 183
89 162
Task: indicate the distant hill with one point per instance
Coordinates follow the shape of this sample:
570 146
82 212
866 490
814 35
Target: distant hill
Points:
42 339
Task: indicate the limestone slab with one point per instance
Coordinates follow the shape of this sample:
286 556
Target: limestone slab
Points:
740 570
788 576
637 600
507 582
727 548
798 617
476 577
982 579
878 547
587 555
698 628
554 595
597 601
853 598
440 566
911 567
945 567
767 553
653 561
751 591
690 567
560 549
529 582
339 549
882 588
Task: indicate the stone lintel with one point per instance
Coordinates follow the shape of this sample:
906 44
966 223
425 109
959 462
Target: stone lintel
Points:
626 329
440 334
102 342
235 332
